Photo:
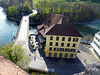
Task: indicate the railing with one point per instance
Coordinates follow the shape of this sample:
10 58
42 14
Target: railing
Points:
18 29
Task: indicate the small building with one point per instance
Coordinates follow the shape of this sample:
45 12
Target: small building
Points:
61 39
7 67
96 44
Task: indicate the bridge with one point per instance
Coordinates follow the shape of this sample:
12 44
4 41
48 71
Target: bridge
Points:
23 32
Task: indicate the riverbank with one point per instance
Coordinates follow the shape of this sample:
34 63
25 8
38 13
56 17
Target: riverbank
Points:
16 9
77 11
8 28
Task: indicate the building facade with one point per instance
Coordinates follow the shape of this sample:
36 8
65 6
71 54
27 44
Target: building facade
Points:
96 44
62 46
62 39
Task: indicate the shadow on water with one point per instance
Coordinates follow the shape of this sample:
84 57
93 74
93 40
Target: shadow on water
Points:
63 66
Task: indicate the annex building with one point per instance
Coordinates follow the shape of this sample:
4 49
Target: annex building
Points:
96 44
59 38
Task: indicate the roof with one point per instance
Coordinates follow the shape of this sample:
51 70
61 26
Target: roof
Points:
9 68
64 29
49 22
52 26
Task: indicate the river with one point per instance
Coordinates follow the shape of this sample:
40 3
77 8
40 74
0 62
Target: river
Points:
8 28
90 27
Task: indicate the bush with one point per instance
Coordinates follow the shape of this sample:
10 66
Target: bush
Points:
32 16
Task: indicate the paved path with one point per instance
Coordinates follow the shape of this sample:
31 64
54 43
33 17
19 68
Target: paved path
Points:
85 55
23 33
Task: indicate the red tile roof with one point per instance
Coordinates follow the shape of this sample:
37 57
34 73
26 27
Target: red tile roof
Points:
9 68
52 27
64 29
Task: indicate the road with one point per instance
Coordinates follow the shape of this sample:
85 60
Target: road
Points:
23 33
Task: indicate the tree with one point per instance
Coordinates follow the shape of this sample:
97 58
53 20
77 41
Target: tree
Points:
16 54
11 10
88 37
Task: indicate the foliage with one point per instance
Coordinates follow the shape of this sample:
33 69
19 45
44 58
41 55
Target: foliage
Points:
32 15
15 54
16 8
75 11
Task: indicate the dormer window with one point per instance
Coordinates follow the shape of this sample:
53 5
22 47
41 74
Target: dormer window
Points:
49 22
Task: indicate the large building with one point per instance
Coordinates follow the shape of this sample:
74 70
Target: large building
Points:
96 44
61 39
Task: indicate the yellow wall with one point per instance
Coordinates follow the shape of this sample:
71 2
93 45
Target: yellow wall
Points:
59 45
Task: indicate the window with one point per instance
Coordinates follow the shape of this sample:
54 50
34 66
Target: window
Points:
50 43
61 49
71 55
73 50
75 39
62 44
56 44
50 54
74 45
97 39
63 38
68 44
69 39
60 55
57 38
49 22
51 38
96 44
55 49
67 50
55 55
66 55
50 49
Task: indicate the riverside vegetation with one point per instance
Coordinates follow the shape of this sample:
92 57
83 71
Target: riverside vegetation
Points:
16 8
16 54
74 10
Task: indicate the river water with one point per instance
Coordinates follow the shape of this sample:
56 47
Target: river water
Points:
8 28
90 27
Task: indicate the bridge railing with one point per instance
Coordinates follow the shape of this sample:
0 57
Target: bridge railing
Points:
18 30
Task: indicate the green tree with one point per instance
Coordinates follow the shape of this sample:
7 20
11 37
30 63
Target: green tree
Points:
16 54
11 10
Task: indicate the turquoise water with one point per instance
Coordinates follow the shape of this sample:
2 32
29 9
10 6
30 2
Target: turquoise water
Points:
8 28
88 27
